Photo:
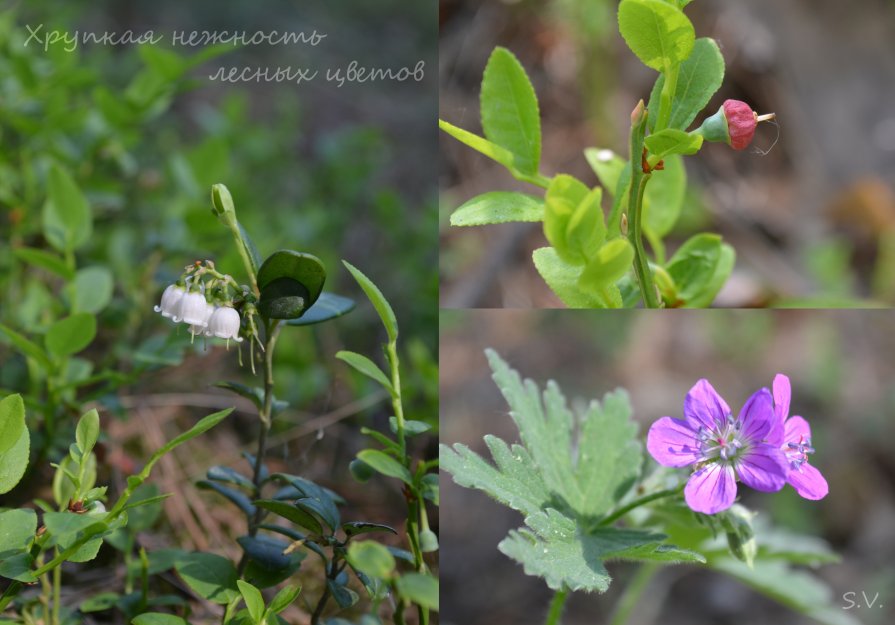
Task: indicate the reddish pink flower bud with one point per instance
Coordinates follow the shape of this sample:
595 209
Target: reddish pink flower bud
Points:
733 124
741 122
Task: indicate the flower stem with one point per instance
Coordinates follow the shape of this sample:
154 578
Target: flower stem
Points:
632 593
639 178
272 331
556 607
615 516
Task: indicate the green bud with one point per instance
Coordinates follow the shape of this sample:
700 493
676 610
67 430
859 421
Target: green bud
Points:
428 541
222 203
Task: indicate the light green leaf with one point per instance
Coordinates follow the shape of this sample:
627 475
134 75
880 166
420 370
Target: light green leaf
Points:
253 600
514 481
14 460
664 198
12 421
87 431
158 618
498 207
67 222
610 458
385 464
700 77
419 589
573 219
693 268
45 260
67 528
658 33
553 548
284 598
611 262
371 558
510 116
607 165
367 367
92 289
17 529
26 346
672 141
204 424
562 278
211 576
481 145
378 300
70 335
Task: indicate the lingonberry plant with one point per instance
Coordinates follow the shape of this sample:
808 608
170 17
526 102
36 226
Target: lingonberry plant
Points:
600 261
577 476
287 290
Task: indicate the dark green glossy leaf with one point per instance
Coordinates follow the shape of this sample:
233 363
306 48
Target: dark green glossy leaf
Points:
328 306
290 512
234 496
353 528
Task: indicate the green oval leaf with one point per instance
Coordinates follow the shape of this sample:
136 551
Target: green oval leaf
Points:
158 618
211 576
26 346
367 367
510 116
70 335
45 260
328 306
658 33
420 589
12 421
700 76
479 144
498 207
693 267
672 141
279 278
67 221
17 528
299 516
371 558
562 278
92 289
611 262
378 300
385 464
87 432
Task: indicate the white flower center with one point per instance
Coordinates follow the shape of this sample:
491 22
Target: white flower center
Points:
724 442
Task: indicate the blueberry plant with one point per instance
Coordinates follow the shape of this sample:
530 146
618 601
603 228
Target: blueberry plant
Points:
578 477
598 260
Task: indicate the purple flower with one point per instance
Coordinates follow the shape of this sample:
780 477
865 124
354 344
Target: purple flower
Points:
793 436
722 447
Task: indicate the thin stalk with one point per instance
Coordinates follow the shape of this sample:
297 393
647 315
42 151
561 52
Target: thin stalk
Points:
632 593
615 516
397 404
272 331
333 572
639 178
537 179
57 594
556 607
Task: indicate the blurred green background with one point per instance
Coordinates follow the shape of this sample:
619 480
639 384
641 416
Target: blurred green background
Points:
841 369
812 221
340 172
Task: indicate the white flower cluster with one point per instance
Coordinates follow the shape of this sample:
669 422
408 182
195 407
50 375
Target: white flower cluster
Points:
204 318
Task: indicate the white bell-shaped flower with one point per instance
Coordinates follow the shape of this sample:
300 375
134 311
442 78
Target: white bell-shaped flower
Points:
224 324
170 300
193 310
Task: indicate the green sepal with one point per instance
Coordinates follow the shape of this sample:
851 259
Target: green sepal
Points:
714 128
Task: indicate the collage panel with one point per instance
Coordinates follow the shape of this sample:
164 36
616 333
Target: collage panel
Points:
218 313
601 490
758 171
